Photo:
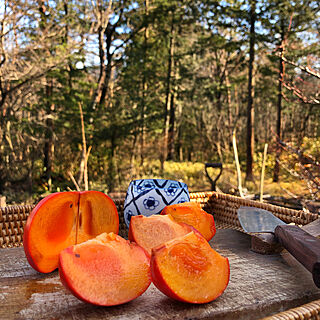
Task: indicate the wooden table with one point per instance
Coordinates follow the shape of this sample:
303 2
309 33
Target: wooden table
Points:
259 286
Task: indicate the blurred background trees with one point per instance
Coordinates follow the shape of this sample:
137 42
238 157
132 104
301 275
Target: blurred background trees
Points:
159 82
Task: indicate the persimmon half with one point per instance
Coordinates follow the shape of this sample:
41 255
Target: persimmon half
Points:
191 213
189 270
149 232
106 271
63 219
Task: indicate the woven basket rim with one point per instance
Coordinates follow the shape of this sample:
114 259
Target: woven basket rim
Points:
208 195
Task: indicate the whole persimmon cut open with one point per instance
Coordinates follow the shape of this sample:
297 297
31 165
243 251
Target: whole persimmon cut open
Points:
149 232
63 219
189 270
191 213
106 271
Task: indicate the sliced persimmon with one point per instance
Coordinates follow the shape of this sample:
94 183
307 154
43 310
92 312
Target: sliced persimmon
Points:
56 223
106 271
93 219
189 270
149 232
50 227
191 213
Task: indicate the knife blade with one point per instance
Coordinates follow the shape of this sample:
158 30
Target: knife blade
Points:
302 245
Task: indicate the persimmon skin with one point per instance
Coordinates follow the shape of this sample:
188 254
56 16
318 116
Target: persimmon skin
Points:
109 262
208 284
54 225
191 213
143 230
27 235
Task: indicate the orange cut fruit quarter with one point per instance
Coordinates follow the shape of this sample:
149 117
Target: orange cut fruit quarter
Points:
107 270
149 232
189 270
192 214
63 219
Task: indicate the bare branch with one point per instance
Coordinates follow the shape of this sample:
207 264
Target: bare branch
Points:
236 158
298 93
302 68
74 181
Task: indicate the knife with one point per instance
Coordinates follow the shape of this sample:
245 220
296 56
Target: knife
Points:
302 245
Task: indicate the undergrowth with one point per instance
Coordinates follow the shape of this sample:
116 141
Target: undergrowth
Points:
192 173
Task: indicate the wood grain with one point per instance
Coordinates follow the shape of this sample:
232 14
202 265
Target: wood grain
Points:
303 246
313 228
260 285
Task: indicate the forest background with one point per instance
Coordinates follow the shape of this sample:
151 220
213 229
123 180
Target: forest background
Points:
103 92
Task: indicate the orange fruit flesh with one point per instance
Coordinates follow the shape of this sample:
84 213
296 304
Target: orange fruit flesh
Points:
149 232
52 229
64 219
92 219
193 271
191 213
107 270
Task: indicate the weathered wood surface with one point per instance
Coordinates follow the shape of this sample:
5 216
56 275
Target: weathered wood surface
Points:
313 228
259 286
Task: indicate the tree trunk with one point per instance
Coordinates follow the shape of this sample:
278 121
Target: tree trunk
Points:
276 169
133 149
49 145
3 96
230 113
179 144
66 41
171 130
250 107
102 69
112 165
304 124
142 120
102 16
165 134
3 58
144 89
108 68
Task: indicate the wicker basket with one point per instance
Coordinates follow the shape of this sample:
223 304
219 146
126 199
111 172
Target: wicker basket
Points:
309 311
222 206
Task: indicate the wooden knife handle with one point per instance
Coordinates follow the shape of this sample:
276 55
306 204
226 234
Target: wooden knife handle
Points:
303 246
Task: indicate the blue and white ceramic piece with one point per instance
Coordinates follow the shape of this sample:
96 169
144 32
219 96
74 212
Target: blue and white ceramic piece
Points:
149 196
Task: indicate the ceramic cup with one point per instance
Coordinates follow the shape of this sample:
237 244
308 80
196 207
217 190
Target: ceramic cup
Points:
149 196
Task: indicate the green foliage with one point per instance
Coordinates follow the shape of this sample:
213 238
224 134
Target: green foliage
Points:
311 146
56 66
